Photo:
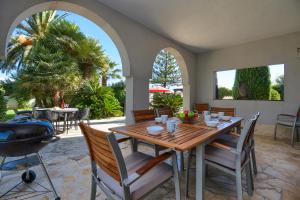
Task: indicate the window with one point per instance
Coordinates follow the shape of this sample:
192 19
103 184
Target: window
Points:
255 83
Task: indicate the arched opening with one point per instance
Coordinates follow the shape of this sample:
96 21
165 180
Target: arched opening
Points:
169 72
98 20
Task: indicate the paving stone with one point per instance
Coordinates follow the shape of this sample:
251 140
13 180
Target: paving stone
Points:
68 164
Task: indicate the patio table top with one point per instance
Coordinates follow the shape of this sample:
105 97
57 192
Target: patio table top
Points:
185 137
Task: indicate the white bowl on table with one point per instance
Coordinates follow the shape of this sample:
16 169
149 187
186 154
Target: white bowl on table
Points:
214 115
154 130
213 123
225 118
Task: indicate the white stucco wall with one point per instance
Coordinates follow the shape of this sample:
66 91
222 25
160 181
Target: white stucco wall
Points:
277 50
137 45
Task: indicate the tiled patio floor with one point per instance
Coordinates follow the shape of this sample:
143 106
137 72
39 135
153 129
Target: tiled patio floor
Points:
69 167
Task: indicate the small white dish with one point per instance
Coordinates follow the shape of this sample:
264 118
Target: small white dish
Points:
158 119
225 118
154 130
212 123
214 115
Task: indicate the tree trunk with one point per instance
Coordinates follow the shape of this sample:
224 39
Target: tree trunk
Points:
87 71
104 81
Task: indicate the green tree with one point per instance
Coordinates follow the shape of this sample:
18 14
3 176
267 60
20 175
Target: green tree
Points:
252 83
48 71
165 70
100 99
120 93
2 104
173 101
223 91
27 32
274 95
109 71
87 51
279 86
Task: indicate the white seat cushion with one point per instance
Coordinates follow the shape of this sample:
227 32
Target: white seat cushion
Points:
146 183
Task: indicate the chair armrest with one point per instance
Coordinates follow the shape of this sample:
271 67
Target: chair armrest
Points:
123 139
145 168
286 115
234 134
220 146
223 147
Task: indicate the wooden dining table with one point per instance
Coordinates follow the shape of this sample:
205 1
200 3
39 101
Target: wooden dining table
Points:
186 137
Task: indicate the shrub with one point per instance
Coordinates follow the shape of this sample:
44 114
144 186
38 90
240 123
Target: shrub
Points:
120 93
252 83
173 101
2 105
274 95
101 100
223 91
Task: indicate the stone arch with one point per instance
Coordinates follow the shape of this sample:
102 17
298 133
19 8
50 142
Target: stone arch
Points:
184 73
72 7
97 19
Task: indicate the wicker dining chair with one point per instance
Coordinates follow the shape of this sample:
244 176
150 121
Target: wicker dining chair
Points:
231 160
291 121
200 107
126 178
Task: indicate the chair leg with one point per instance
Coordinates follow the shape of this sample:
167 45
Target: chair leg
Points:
156 148
187 173
1 164
93 189
250 185
134 145
297 131
176 176
47 175
239 188
253 161
293 134
275 132
181 161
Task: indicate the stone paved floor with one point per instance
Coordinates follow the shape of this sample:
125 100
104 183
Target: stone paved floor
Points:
68 165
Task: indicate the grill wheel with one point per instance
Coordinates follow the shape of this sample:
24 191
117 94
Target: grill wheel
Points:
31 176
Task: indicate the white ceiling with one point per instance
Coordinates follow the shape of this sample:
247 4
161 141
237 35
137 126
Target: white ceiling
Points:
203 25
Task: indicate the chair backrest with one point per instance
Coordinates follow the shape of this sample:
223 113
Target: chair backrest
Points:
164 111
200 107
253 127
83 113
101 151
245 135
227 111
143 115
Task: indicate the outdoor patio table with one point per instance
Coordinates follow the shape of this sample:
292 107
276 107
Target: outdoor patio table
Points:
186 136
65 112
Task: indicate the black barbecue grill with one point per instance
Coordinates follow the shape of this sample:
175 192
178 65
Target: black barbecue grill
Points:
25 138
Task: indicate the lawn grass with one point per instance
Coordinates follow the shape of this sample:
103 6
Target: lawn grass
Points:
10 114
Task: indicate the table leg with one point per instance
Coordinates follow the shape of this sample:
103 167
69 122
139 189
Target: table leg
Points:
65 121
200 171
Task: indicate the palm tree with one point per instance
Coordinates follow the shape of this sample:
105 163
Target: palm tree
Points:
108 71
90 57
27 32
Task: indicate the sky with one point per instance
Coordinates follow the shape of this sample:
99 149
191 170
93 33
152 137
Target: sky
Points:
91 29
226 78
